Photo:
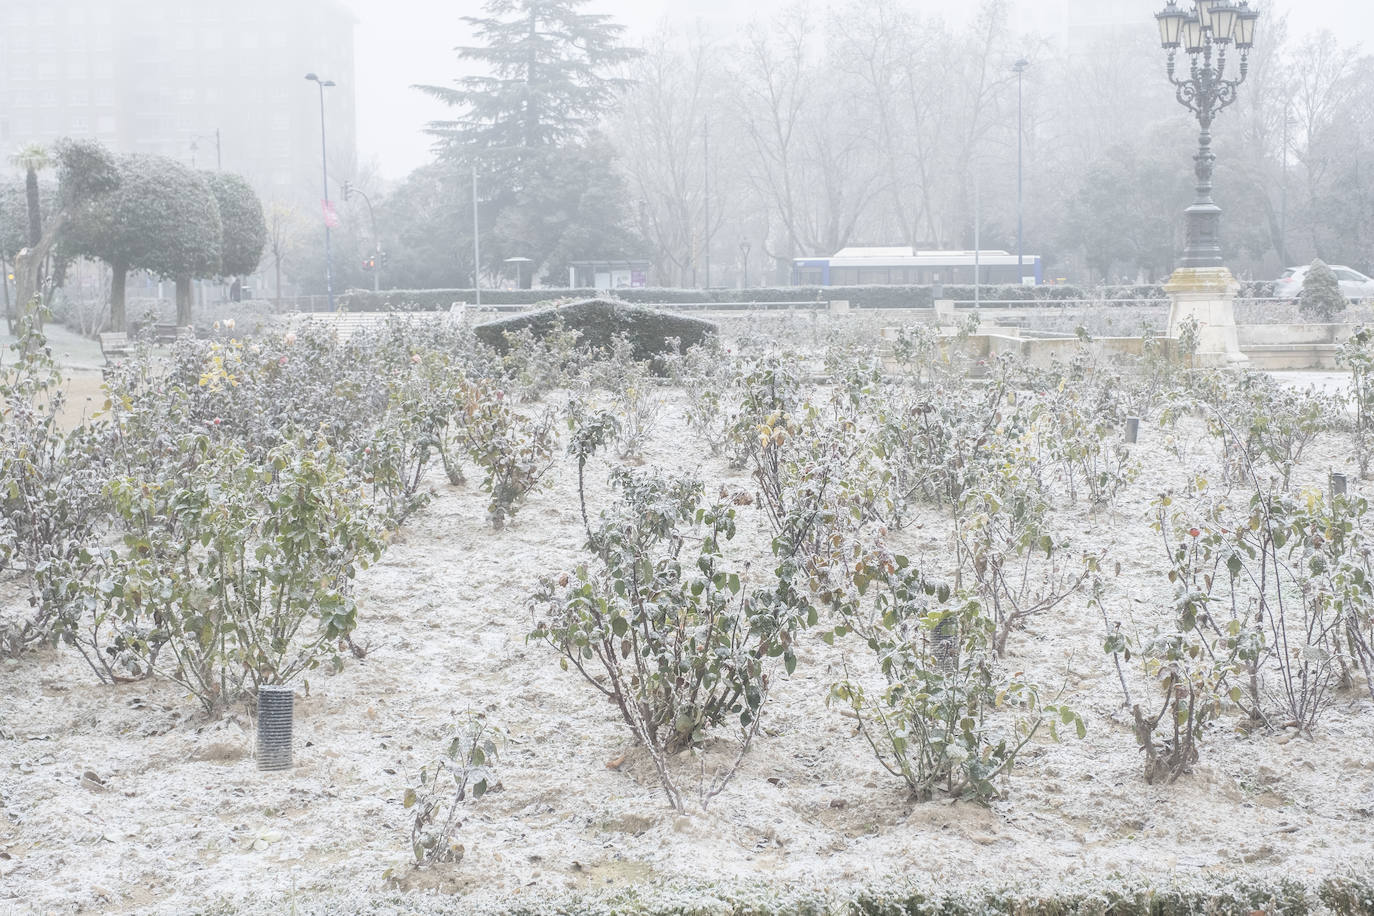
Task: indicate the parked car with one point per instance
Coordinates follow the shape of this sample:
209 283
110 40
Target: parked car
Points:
1356 286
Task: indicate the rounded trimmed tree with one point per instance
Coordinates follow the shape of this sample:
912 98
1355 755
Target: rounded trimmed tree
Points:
164 218
243 227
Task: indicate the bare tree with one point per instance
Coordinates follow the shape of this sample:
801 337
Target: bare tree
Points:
283 234
811 160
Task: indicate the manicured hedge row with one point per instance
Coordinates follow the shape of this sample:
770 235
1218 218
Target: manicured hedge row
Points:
440 300
602 321
1071 895
862 297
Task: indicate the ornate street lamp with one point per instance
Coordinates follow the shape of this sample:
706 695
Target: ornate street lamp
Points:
1205 30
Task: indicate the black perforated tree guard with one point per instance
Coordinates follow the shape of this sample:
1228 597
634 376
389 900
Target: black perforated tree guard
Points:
276 708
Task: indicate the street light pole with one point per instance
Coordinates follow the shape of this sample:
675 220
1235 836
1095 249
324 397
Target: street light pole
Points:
706 185
476 243
1205 33
349 189
1020 68
324 161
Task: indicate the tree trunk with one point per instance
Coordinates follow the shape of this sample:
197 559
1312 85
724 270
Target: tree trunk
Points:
183 302
278 299
5 282
35 208
59 279
26 269
119 284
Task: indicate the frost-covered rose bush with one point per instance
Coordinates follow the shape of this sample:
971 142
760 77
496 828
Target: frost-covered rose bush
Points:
228 574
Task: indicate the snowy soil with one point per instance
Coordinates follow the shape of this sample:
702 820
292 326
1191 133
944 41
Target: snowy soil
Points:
125 800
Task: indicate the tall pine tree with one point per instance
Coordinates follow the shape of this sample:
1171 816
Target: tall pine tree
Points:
528 124
548 77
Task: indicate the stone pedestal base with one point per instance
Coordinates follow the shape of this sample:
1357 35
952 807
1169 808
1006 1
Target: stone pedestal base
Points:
1208 295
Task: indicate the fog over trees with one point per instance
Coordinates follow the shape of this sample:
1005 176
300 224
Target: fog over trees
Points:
875 123
720 153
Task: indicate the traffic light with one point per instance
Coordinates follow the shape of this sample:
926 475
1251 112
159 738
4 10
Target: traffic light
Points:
385 258
348 190
369 263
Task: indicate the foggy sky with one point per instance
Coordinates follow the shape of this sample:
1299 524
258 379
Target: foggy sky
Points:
401 42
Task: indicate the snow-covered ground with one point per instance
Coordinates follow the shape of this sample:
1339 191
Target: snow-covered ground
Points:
124 799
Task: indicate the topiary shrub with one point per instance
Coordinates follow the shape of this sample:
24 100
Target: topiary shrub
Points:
1321 296
600 322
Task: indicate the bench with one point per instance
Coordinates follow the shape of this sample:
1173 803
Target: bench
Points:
344 324
171 333
114 346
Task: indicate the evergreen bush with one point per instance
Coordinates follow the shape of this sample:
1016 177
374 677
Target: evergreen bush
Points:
1321 296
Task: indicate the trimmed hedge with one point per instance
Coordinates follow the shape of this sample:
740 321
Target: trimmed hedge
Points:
1071 895
600 321
441 300
862 297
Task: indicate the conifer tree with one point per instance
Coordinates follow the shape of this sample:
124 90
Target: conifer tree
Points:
549 77
1321 296
548 186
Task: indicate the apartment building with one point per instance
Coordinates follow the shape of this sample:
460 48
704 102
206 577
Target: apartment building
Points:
209 83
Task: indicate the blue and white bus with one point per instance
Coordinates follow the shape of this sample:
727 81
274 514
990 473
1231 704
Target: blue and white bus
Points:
909 267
